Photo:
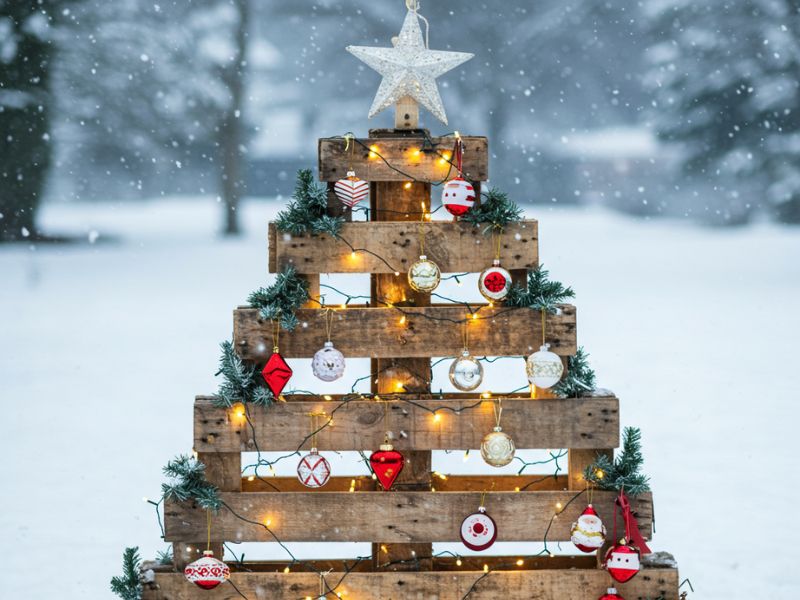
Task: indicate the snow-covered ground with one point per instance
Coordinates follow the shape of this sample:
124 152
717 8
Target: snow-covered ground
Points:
106 344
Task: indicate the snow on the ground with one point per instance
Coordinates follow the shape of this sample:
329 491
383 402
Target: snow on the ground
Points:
106 344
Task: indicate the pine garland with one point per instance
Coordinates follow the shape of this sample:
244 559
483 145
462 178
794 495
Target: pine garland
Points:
128 586
240 382
188 482
540 293
307 212
623 473
495 209
280 300
580 377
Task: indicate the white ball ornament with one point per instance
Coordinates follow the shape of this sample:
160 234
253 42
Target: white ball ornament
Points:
544 368
497 448
494 283
328 363
424 275
466 373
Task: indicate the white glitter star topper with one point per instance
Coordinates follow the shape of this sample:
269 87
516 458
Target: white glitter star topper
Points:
409 69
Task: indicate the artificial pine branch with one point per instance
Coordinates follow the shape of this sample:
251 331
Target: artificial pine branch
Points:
623 473
128 586
580 377
280 300
307 211
495 209
240 382
188 482
164 557
540 293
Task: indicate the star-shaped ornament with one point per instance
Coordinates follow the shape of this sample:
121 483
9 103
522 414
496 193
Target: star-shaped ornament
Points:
409 69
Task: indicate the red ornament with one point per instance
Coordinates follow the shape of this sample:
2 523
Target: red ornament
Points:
622 562
458 196
351 190
611 594
494 283
207 572
313 470
588 533
386 463
478 530
276 373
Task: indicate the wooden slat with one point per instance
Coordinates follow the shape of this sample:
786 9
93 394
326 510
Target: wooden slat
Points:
334 160
549 584
454 246
358 425
394 517
428 331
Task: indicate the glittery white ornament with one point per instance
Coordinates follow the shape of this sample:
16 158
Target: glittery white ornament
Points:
328 363
494 283
458 196
544 368
313 470
497 448
424 275
466 373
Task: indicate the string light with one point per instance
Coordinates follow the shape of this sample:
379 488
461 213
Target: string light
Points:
458 562
374 151
520 562
437 417
407 185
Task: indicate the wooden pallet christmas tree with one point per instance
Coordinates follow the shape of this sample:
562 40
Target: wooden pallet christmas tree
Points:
400 329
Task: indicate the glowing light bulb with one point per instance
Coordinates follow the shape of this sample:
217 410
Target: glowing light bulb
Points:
407 185
403 320
520 562
286 570
251 478
458 562
485 568
559 506
353 254
328 397
437 417
373 151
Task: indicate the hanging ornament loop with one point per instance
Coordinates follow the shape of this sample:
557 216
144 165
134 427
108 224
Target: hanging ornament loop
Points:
497 407
632 533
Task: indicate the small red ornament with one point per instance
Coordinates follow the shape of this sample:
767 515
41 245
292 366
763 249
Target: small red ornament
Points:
313 470
386 463
276 373
207 572
588 533
611 594
622 561
478 531
351 190
494 283
458 196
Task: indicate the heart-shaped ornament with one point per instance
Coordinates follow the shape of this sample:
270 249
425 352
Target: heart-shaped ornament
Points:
351 190
386 463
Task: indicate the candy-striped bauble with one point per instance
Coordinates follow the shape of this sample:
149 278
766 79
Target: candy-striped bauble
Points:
351 190
207 572
458 196
313 470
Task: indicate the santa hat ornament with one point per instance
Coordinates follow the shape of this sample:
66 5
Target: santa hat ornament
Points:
207 572
622 561
588 533
611 594
458 195
478 530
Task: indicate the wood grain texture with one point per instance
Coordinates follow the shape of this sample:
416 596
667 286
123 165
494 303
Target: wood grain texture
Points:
400 152
546 584
358 425
394 517
454 246
428 331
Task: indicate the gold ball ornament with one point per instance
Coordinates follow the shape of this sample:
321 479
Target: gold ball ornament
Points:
544 368
424 275
497 448
466 373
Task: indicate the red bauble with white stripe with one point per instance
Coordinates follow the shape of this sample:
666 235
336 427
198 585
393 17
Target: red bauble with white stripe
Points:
351 190
313 470
478 531
611 594
458 196
622 562
207 572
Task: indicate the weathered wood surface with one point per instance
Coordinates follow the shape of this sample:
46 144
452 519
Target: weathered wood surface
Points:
426 332
549 584
405 154
455 246
394 517
358 425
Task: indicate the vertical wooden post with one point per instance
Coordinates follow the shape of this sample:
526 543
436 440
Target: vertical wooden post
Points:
406 115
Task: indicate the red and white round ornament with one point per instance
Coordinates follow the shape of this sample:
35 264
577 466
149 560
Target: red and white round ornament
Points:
458 196
611 594
313 470
494 283
478 531
207 572
622 561
351 190
588 533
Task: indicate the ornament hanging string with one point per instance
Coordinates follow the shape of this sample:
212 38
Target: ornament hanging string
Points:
208 528
544 324
328 316
413 6
276 335
466 333
421 231
497 407
458 150
348 137
632 533
497 236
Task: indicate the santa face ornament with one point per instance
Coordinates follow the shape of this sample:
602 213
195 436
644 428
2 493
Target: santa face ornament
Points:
588 533
478 531
622 562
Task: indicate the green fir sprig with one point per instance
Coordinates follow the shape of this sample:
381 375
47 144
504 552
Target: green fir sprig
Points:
240 381
128 586
495 211
307 212
580 377
279 301
540 293
624 472
188 482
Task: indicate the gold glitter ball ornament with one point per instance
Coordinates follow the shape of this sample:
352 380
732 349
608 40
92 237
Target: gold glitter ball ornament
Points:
497 448
544 368
424 275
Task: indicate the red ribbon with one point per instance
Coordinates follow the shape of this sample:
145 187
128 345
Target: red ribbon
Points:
458 150
632 533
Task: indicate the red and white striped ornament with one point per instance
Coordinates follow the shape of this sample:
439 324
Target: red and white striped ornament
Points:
351 190
313 470
207 572
458 196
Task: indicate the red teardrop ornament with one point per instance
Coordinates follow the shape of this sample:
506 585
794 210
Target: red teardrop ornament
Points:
386 464
622 561
276 373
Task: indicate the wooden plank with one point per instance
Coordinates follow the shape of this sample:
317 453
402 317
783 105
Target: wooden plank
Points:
455 246
358 425
580 458
427 331
545 584
394 517
451 483
404 154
